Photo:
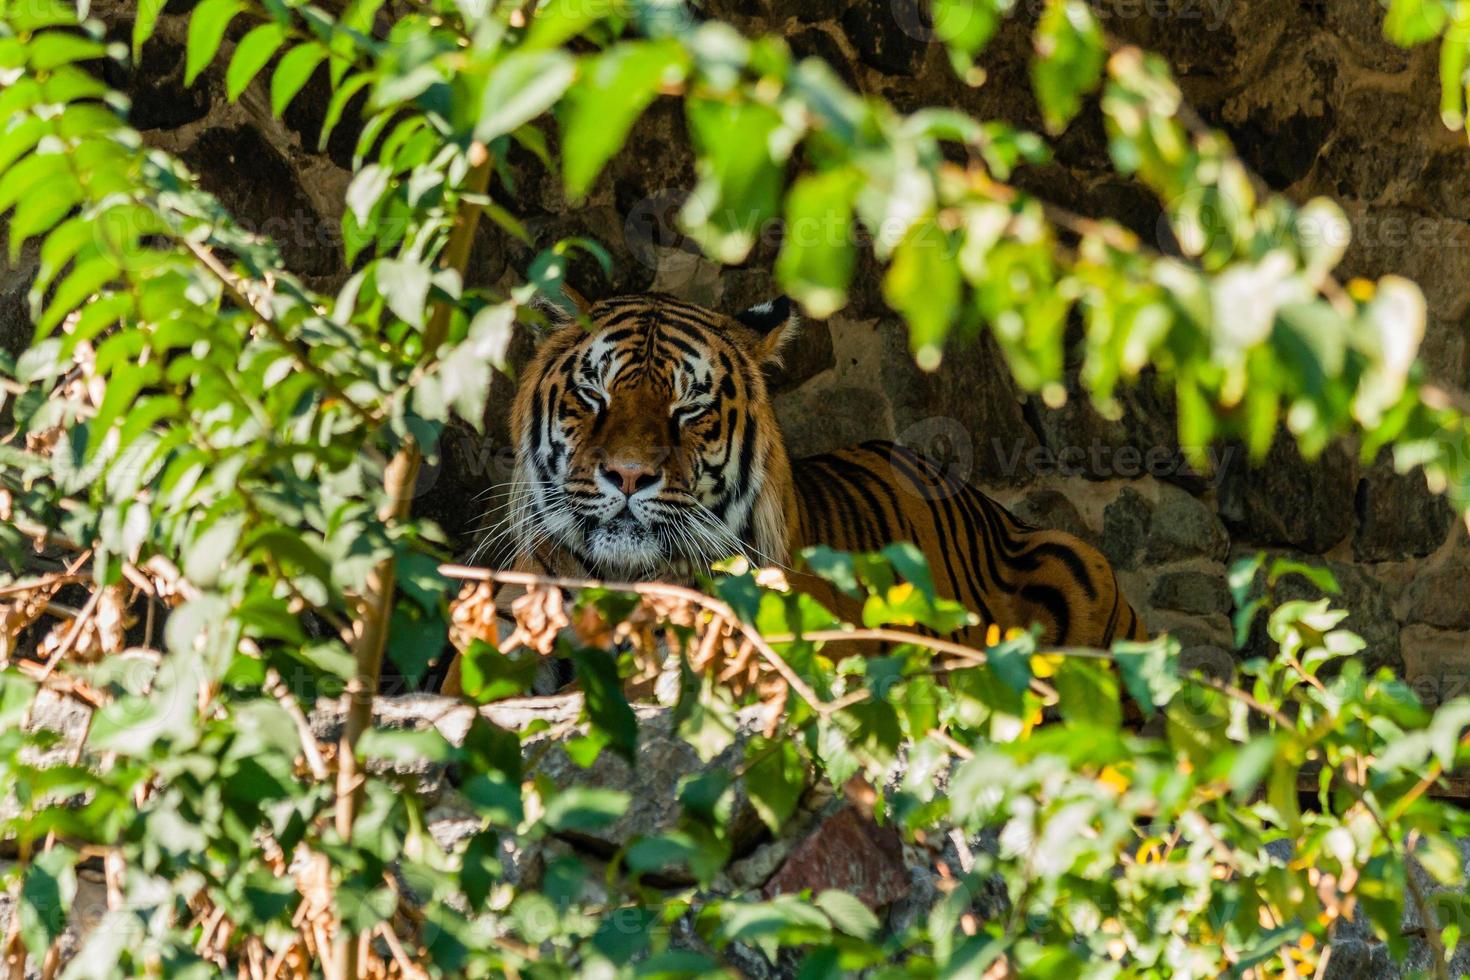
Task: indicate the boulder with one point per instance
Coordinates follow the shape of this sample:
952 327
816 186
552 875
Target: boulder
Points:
1183 526
1398 516
1191 591
1126 523
1440 596
1053 510
1285 501
848 852
663 761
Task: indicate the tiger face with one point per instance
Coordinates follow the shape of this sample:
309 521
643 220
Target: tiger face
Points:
646 447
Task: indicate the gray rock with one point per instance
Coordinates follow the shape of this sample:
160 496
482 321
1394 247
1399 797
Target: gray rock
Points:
817 420
1200 593
1398 517
1183 526
1441 596
663 761
1355 959
1286 501
876 32
1053 510
1126 522
1141 441
68 719
806 355
971 402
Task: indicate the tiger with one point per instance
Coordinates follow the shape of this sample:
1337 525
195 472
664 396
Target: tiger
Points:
647 448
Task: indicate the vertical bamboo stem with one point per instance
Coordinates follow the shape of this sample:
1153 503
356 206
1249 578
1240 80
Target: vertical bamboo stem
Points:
371 628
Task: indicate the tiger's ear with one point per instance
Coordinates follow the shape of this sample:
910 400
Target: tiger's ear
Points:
561 305
775 322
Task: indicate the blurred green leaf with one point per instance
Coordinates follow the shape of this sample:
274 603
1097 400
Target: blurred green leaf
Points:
601 108
1068 62
523 86
207 27
292 74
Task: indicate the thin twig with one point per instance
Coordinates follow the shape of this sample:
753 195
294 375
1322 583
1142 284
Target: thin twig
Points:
400 956
70 639
309 748
1424 785
377 599
48 581
692 596
1243 697
298 352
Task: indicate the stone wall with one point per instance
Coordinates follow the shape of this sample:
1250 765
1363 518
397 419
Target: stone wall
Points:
1317 102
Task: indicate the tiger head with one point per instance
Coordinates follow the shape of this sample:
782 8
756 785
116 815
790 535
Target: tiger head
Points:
646 445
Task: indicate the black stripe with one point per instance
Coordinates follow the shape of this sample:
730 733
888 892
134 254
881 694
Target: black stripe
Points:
1055 603
902 460
1055 550
855 477
1113 616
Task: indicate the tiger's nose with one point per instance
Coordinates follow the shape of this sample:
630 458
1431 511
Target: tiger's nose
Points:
631 477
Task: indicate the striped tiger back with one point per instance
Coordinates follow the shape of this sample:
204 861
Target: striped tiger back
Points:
982 556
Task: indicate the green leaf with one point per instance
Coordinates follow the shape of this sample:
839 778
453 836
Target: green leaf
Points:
1319 575
1251 763
909 561
30 173
1454 51
367 188
85 280
252 54
46 895
741 594
614 89
1089 693
706 716
818 244
607 706
1242 577
123 387
584 808
1011 661
923 284
657 853
775 780
1068 62
53 49
207 27
965 25
558 21
1441 857
836 567
405 286
403 745
521 87
463 374
338 105
1411 22
38 212
848 913
739 190
1150 671
144 24
293 72
211 551
488 675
